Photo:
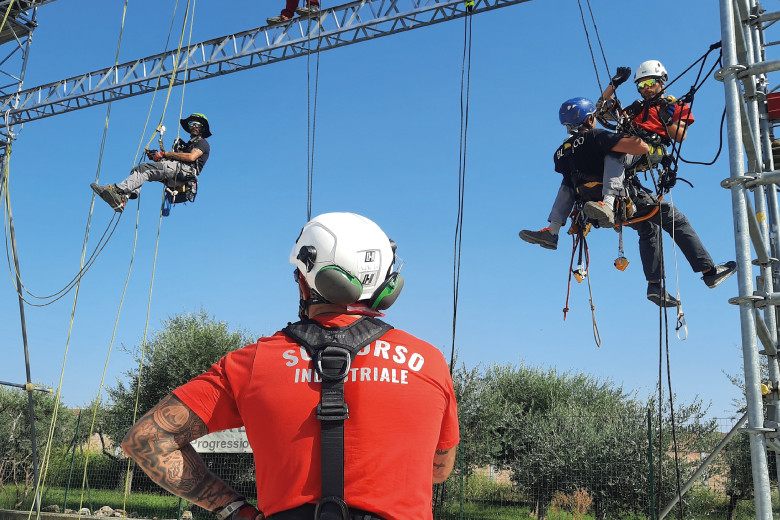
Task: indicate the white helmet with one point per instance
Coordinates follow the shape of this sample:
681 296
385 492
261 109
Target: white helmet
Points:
346 258
651 69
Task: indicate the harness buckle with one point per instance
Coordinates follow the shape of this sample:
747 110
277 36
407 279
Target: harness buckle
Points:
339 512
331 356
332 412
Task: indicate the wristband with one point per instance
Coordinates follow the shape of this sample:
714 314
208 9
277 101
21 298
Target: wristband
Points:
225 512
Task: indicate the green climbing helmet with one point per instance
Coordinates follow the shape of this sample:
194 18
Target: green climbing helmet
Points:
197 118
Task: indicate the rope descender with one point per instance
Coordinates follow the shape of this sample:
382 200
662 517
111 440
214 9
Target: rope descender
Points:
621 262
161 130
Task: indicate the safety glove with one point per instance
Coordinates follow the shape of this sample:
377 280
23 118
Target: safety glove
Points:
666 113
620 76
157 156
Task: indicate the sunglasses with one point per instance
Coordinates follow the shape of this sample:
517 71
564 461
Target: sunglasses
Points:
646 83
194 123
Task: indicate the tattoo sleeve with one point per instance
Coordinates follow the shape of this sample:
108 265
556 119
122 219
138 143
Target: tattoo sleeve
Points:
160 444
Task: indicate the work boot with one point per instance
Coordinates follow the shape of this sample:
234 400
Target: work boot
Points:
111 194
278 20
599 212
659 296
307 10
718 274
543 237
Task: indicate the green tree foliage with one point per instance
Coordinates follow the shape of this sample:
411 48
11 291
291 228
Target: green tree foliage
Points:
566 432
187 345
16 450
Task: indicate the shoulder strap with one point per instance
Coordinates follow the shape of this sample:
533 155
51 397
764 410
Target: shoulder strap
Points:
332 351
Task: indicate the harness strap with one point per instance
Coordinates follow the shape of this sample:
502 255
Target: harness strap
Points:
332 350
306 512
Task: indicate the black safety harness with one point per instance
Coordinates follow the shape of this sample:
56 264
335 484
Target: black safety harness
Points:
332 351
184 187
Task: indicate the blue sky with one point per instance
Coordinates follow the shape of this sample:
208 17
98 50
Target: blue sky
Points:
387 147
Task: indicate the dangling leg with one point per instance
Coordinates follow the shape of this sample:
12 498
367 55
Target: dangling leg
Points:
677 224
548 237
613 179
650 254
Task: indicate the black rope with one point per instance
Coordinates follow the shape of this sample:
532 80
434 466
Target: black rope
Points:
663 344
598 37
590 46
720 145
465 85
311 120
102 243
676 147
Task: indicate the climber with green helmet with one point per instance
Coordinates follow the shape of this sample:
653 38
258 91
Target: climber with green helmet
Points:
170 167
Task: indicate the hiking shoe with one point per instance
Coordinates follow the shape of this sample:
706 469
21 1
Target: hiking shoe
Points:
278 20
308 10
599 212
543 237
110 193
659 296
719 273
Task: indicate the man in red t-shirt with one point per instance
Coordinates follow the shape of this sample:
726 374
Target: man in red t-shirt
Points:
401 432
660 119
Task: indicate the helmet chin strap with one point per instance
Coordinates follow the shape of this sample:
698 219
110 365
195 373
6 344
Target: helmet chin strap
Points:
304 303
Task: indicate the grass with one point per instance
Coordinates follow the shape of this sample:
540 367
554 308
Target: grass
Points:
145 505
484 500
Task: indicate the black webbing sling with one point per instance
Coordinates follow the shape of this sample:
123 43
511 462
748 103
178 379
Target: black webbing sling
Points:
332 351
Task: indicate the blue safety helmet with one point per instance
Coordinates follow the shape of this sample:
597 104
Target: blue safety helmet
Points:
575 111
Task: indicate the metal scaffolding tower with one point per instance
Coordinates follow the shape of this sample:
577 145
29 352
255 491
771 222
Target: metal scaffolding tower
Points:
16 37
750 133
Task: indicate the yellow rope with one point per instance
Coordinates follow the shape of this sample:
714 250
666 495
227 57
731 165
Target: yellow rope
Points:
126 492
47 454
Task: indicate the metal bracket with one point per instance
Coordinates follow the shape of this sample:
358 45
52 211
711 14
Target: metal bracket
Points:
759 431
721 74
730 182
739 300
772 260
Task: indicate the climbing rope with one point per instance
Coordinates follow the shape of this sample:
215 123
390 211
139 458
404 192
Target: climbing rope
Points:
590 46
465 87
190 3
85 264
311 118
579 243
663 346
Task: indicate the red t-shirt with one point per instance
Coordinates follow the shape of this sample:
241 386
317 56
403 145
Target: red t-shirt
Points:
402 408
648 119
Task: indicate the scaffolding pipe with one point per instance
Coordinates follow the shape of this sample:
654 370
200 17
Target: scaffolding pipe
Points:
755 415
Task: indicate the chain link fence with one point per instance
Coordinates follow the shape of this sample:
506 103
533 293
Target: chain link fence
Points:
576 467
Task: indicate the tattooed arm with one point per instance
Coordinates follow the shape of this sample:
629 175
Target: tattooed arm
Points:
160 444
443 462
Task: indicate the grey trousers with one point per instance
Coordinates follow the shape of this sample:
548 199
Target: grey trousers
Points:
164 171
614 173
669 218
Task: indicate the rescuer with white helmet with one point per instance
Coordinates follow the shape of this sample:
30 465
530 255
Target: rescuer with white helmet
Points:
347 417
592 155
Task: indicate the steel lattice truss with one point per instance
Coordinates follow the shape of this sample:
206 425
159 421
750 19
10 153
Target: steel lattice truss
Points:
342 25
